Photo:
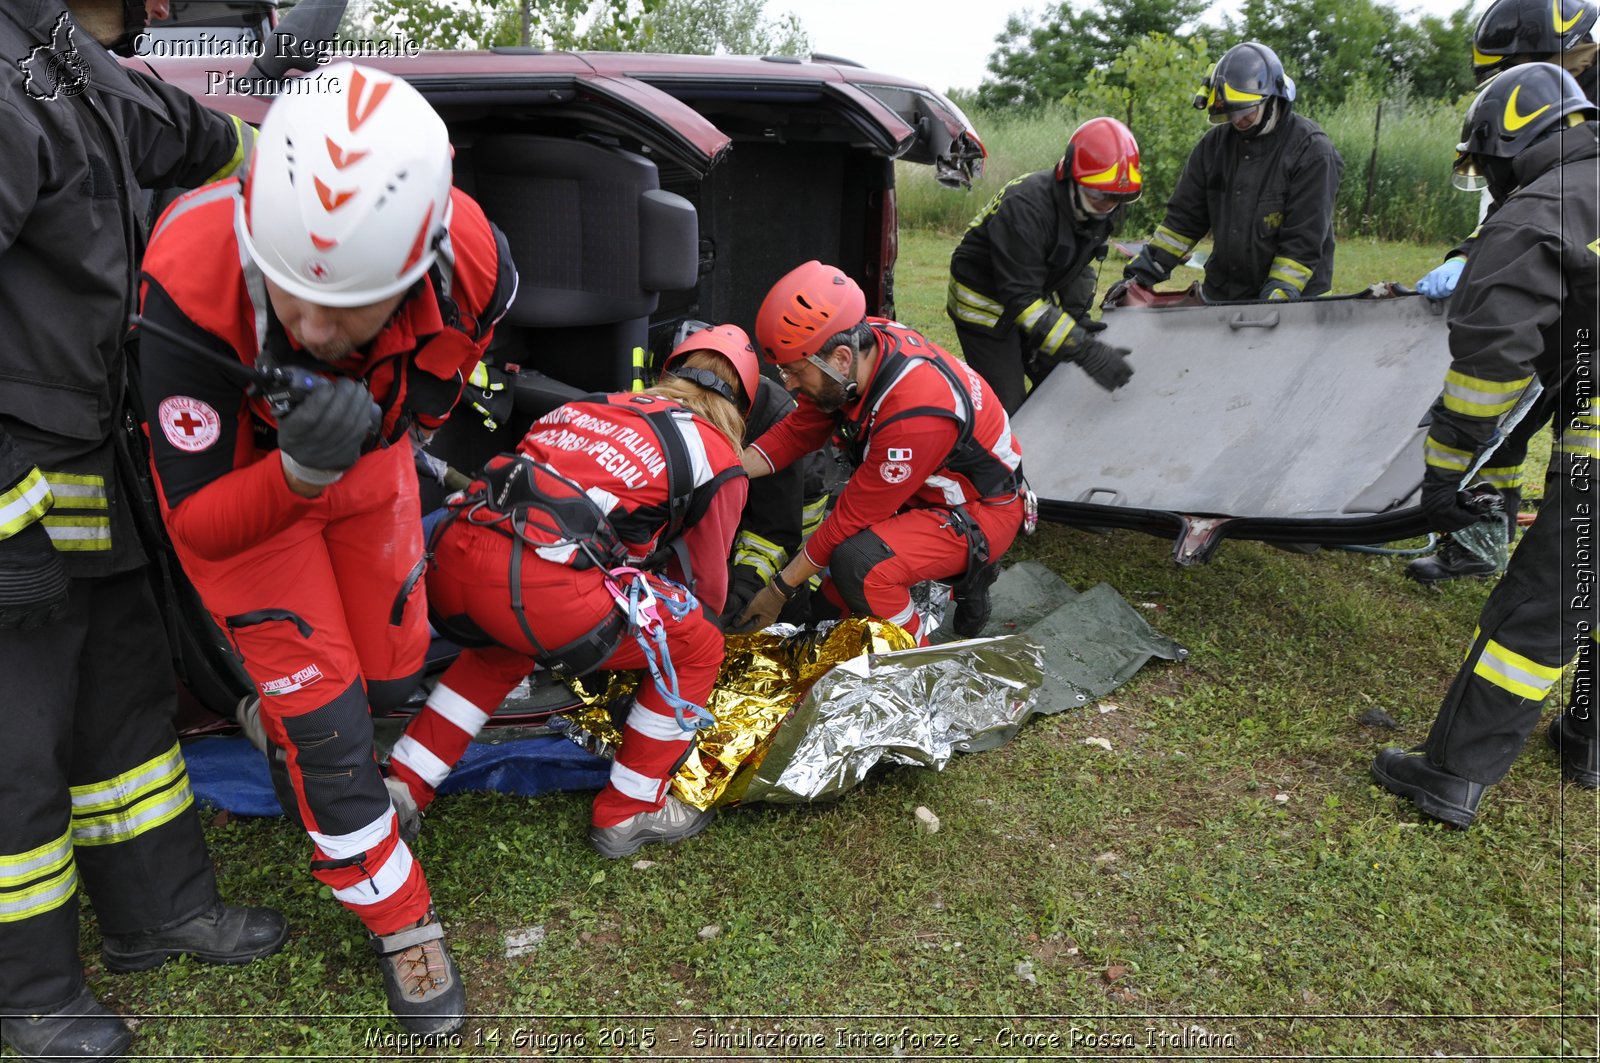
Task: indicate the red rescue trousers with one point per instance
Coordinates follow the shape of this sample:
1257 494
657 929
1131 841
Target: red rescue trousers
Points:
316 613
470 576
872 572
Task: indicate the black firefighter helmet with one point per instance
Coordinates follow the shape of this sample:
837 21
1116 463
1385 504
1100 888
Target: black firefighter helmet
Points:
1529 28
1515 109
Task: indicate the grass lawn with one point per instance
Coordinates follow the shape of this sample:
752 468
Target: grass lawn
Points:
1223 882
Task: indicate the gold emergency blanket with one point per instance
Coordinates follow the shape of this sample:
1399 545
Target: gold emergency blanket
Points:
847 699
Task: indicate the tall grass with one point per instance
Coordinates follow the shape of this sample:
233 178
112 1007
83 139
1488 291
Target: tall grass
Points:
1412 198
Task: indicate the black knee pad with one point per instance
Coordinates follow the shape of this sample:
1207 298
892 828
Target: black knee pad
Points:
852 561
333 750
387 695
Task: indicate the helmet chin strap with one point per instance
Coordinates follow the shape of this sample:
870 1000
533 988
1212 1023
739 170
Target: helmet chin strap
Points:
848 383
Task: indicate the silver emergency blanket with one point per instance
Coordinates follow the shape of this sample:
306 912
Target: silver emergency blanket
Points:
916 706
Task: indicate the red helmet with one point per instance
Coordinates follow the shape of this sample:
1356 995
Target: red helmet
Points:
731 342
808 305
1104 158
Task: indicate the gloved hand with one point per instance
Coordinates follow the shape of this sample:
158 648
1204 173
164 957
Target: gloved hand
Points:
1278 291
1441 280
322 436
1449 509
1105 364
33 582
743 585
1090 325
764 607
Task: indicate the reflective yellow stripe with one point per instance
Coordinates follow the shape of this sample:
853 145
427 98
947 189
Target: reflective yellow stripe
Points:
78 533
1290 272
763 555
24 504
1440 456
1032 313
1513 672
1104 177
1233 95
52 872
811 517
1172 241
134 802
1058 334
244 139
638 369
1507 478
1582 436
1476 397
975 308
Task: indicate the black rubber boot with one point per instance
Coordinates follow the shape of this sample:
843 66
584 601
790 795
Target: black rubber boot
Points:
1453 561
1580 754
1436 793
972 602
82 1028
424 988
221 934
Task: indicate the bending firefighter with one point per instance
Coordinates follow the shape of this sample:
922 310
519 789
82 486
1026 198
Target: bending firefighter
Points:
1023 277
1527 309
549 559
1262 182
301 332
937 489
94 789
1510 33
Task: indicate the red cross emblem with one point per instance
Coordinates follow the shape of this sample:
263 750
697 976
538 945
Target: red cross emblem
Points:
188 424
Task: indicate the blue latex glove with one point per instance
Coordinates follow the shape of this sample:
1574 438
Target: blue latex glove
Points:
1441 280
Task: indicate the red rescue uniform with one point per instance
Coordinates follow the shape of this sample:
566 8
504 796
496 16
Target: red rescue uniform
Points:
321 597
925 435
608 449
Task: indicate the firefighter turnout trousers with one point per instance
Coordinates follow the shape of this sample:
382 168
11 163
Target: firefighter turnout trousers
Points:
872 572
329 616
470 577
1541 615
98 792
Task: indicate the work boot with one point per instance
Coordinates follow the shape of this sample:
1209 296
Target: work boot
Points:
220 934
1436 793
405 807
1580 755
1453 561
672 822
424 988
972 602
248 717
82 1028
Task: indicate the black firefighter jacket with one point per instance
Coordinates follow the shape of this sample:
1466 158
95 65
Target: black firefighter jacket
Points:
1026 262
1528 303
81 135
1267 203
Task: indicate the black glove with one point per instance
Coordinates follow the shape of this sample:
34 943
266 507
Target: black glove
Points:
1448 508
1277 291
743 585
764 608
1105 364
324 434
33 582
1090 325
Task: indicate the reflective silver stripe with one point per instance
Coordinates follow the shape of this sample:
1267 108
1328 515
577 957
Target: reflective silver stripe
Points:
24 504
1171 241
654 725
1513 672
811 517
359 841
1290 272
244 143
383 884
1032 313
90 798
53 874
964 304
763 555
1582 436
1508 478
458 710
1442 457
949 489
630 783
78 533
191 202
124 826
47 858
1481 398
420 759
139 800
1058 334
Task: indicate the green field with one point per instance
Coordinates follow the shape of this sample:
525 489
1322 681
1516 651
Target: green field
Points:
1224 877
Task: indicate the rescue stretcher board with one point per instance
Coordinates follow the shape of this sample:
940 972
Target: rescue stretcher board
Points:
1283 421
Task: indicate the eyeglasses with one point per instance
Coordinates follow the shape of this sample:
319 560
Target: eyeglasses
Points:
790 372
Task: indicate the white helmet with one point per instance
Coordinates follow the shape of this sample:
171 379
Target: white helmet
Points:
348 195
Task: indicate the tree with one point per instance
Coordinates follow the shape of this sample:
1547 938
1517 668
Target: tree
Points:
1150 86
1040 62
732 27
1325 45
1435 55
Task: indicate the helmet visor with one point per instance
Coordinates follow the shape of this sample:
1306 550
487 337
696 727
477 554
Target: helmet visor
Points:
1102 202
1467 176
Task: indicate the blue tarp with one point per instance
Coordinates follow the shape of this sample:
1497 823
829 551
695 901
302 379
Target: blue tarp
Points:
228 773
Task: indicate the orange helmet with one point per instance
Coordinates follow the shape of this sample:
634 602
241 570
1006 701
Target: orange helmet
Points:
1104 158
808 305
729 341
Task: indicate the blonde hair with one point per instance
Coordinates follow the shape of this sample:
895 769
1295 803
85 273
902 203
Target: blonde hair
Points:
724 416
